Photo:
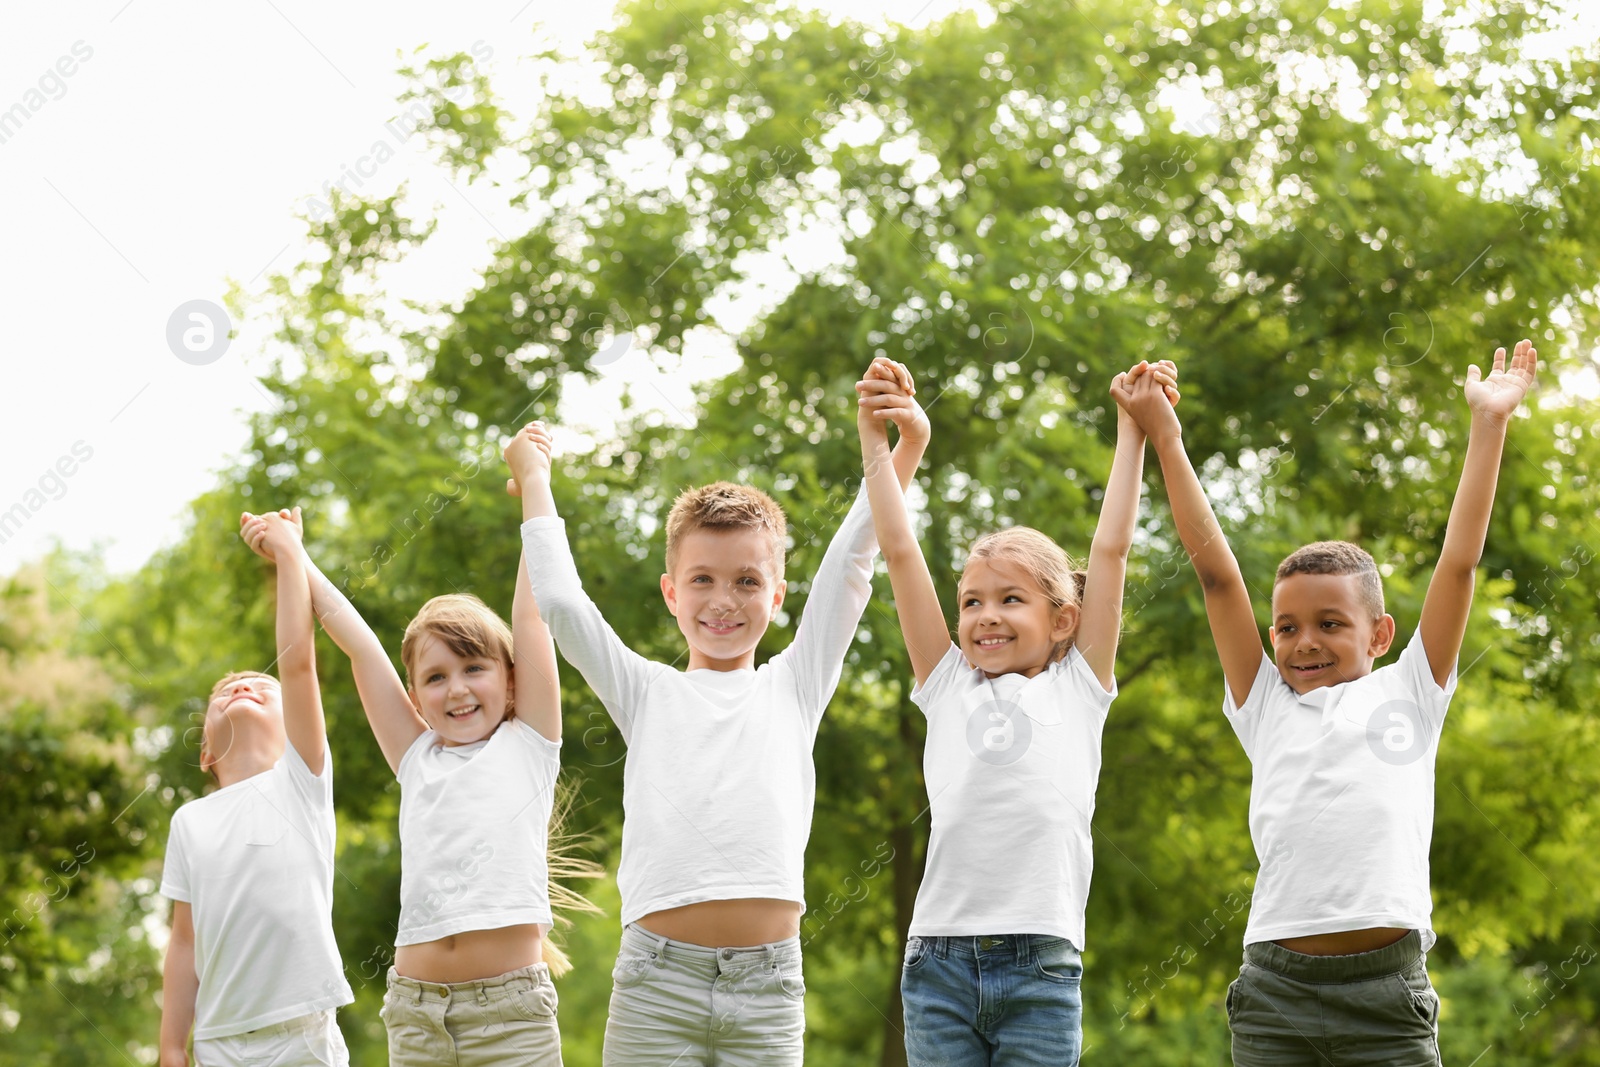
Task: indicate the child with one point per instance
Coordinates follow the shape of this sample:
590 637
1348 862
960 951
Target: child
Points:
252 965
719 782
1015 713
475 741
1341 798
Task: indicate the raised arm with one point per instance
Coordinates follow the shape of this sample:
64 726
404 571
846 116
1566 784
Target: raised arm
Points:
395 722
1233 621
537 688
1100 620
883 399
180 985
1493 401
297 659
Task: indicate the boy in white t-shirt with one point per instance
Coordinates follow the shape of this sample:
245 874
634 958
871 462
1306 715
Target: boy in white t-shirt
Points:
252 966
1341 802
719 782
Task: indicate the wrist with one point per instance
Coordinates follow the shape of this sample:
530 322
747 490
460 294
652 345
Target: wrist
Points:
1483 422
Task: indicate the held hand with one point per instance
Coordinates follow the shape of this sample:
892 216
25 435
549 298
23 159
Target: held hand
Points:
528 456
282 533
253 528
888 370
1502 392
1166 373
1146 400
884 401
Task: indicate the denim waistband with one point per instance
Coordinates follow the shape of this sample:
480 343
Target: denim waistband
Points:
1022 946
705 959
1391 959
483 990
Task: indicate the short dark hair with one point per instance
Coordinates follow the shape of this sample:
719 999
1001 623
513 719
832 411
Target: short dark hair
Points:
1338 557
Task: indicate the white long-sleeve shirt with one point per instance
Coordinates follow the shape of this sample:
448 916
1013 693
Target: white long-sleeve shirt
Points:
719 784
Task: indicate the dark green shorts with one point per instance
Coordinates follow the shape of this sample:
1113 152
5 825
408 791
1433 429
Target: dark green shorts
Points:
1374 1008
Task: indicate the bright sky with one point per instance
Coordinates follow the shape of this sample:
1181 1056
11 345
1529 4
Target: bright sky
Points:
151 152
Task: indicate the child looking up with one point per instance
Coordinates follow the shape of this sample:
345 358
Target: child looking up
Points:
1015 710
719 782
1341 757
252 965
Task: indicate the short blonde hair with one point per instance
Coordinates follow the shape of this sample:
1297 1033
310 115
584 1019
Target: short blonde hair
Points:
1043 561
725 506
223 683
466 625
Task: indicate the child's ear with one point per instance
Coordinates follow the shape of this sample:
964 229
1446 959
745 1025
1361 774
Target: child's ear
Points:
779 589
1066 623
415 703
1382 637
669 593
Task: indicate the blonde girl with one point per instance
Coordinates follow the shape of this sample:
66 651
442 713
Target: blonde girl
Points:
1015 709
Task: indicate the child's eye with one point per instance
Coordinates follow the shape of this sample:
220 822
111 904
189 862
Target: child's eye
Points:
971 601
435 677
474 667
752 582
1330 624
1010 597
700 578
1285 628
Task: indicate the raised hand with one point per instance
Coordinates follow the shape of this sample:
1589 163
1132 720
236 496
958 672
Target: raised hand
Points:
1500 394
528 456
889 370
1148 394
253 528
885 395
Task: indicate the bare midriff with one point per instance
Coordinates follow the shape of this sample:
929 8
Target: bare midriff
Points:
727 923
1344 943
472 955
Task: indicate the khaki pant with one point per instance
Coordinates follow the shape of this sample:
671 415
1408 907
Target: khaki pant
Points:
506 1020
309 1041
1373 1009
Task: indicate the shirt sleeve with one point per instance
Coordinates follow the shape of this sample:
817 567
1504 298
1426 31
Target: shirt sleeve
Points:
1090 691
945 674
1244 720
618 675
315 790
838 596
175 869
1432 698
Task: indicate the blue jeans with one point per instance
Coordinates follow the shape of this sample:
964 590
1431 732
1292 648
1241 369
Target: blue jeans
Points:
1004 1001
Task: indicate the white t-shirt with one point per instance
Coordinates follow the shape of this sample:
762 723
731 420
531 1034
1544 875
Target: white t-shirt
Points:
1011 766
474 827
254 862
719 785
1341 798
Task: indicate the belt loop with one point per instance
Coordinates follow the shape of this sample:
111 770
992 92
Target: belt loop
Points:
417 990
483 993
661 943
1024 948
941 947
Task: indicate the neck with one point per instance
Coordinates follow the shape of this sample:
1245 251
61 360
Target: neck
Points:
699 661
245 761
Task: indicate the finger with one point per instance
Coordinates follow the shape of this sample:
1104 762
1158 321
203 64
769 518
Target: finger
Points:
1499 360
878 386
1173 395
1474 374
512 488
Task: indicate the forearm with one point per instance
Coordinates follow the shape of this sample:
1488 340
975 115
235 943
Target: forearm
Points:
886 493
1119 510
907 456
1197 524
537 500
337 614
1469 514
296 653
179 988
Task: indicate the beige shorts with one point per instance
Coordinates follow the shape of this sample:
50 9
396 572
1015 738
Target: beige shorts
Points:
506 1020
309 1041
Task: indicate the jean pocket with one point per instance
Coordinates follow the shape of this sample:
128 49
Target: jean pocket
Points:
536 1002
792 980
631 968
916 953
1057 961
1424 999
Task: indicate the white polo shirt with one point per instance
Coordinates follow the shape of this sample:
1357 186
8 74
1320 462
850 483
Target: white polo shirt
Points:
254 862
1341 798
